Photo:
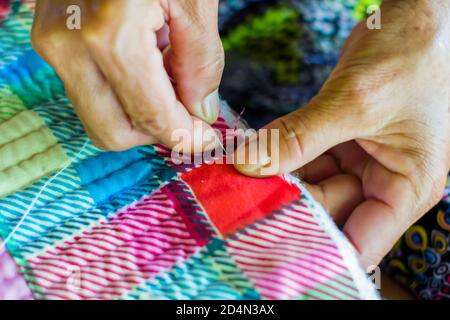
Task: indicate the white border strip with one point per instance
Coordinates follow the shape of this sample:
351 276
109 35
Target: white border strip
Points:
366 288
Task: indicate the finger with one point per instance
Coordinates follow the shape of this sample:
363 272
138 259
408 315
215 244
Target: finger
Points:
101 113
373 229
320 169
136 71
339 195
297 139
376 224
347 157
103 117
196 56
95 103
351 158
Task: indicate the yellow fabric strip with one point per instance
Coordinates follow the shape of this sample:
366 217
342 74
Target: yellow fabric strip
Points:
19 125
30 170
10 104
25 147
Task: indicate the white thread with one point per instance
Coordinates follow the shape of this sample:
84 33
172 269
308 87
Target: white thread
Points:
31 207
234 127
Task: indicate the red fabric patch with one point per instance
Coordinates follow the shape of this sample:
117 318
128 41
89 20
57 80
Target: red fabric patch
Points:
232 200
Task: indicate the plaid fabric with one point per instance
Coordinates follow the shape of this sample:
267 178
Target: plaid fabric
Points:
80 223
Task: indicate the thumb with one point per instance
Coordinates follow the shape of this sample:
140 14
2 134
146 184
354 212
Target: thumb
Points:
294 140
195 57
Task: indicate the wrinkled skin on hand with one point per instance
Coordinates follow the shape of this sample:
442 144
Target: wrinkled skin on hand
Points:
373 145
128 87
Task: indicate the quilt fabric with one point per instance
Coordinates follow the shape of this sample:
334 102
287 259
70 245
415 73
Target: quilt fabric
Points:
79 223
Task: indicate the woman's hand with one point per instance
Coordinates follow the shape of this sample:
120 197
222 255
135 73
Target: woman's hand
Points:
117 77
373 145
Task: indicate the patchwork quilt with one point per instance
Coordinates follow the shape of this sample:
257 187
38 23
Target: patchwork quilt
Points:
80 223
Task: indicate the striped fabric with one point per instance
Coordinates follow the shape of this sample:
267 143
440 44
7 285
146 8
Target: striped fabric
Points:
80 223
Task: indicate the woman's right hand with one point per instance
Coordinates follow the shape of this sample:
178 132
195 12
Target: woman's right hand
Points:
117 77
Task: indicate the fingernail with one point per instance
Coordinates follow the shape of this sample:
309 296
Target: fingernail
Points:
166 50
250 158
210 107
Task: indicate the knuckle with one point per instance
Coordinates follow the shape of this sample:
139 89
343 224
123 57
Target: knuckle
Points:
72 96
217 59
154 125
371 258
199 12
99 144
290 133
98 34
111 141
438 190
132 58
212 70
95 39
42 41
434 195
109 45
36 40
